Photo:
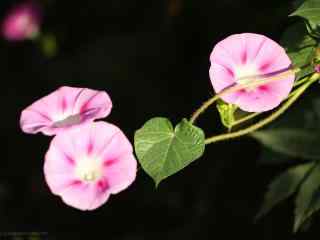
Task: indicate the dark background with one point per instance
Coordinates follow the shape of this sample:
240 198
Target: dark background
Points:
152 57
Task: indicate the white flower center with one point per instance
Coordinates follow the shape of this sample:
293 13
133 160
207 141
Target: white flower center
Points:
89 170
67 121
245 74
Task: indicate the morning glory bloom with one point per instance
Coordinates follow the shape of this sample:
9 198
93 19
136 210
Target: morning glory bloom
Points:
22 22
65 108
84 165
249 55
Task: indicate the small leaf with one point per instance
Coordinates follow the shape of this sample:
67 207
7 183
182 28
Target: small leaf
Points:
307 200
293 142
163 151
299 46
226 111
309 10
283 187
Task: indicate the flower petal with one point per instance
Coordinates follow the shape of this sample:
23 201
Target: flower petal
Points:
260 99
120 173
91 99
64 108
84 196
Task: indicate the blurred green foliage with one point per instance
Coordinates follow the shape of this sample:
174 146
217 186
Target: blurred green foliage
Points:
296 134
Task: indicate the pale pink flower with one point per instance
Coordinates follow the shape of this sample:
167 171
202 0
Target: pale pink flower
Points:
245 55
64 108
22 22
84 165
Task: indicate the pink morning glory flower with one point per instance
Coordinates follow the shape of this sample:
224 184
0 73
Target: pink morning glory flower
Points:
246 55
84 165
64 108
22 22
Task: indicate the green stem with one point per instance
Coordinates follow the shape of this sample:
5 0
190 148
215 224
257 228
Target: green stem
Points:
299 82
254 81
293 93
268 119
246 118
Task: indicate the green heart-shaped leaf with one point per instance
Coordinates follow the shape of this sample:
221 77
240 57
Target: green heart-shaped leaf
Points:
163 151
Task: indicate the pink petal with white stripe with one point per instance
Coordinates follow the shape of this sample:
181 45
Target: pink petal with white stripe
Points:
85 165
246 55
64 108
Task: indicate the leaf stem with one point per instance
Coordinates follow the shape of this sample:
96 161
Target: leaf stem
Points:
268 119
254 81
